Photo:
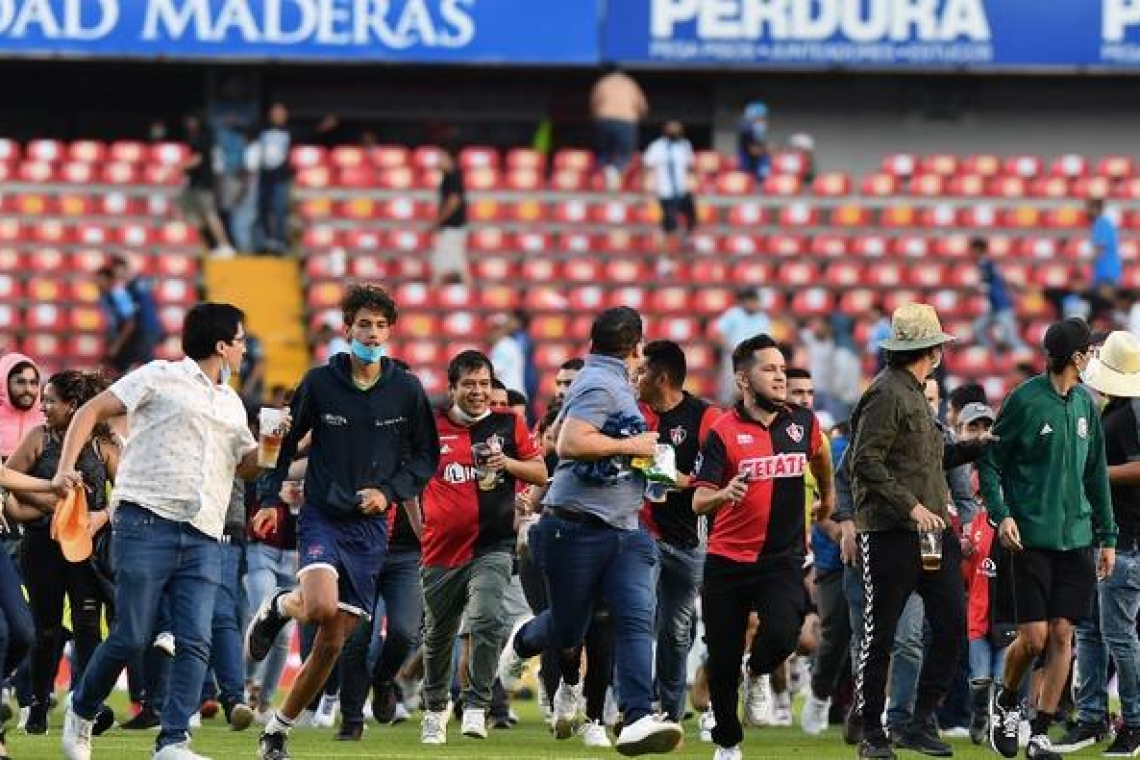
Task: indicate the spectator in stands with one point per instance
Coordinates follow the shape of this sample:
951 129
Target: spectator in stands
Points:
133 328
242 219
198 201
671 162
617 105
752 141
506 353
449 257
1106 269
1000 313
19 401
530 371
736 325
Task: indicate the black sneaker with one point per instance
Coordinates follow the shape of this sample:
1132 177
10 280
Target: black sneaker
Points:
37 722
104 720
384 701
264 627
979 726
1041 748
876 746
1126 744
853 726
1005 723
272 747
350 732
145 718
921 735
1080 736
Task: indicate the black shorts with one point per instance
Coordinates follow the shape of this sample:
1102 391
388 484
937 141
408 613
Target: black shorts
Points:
673 209
1050 584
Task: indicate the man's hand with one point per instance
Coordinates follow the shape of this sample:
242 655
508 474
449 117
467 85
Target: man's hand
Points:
264 522
642 445
848 551
66 481
373 501
736 489
986 437
1009 535
925 519
1105 563
498 462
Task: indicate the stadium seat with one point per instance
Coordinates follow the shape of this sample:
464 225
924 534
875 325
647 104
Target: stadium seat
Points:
899 165
881 185
581 161
1069 166
967 185
1023 166
983 164
1116 167
927 185
831 185
782 185
735 183
942 164
389 156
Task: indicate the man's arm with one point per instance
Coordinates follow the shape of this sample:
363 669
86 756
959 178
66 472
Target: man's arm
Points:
962 494
996 455
582 442
301 410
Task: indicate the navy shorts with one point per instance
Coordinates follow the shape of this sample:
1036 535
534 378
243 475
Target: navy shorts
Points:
353 548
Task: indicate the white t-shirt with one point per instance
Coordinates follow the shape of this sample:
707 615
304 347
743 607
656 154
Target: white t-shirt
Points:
671 161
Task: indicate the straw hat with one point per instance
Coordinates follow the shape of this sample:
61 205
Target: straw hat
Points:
915 326
1115 370
70 526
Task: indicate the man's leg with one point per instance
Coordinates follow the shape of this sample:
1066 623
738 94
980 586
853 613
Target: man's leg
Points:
1119 603
629 593
725 606
191 591
1090 688
404 609
353 666
834 633
1058 659
490 576
445 594
226 652
907 656
676 608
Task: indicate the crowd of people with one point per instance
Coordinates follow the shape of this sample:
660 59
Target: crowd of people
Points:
920 570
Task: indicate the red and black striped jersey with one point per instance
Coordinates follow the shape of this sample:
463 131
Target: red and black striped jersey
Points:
770 518
460 520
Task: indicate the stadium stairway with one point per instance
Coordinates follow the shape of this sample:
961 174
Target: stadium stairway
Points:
269 291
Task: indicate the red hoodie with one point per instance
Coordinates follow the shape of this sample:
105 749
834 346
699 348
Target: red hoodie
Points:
15 423
979 569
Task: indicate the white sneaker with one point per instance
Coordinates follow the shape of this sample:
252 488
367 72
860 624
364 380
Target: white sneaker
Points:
223 252
728 753
782 712
565 710
76 742
799 673
326 711
1039 746
758 705
511 665
706 723
307 719
195 720
178 752
433 730
1024 730
165 642
652 734
400 714
24 713
475 723
593 734
813 719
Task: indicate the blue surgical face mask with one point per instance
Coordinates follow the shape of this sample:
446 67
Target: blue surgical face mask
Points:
367 354
226 373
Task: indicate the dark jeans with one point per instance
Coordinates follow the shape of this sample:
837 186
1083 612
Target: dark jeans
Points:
616 142
374 653
834 632
273 212
17 629
49 577
534 588
155 557
731 592
892 571
677 585
585 563
227 653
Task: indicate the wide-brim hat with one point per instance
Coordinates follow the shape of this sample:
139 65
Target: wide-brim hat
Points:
70 526
1115 370
915 326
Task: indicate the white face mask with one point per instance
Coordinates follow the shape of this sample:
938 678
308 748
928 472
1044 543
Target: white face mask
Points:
466 418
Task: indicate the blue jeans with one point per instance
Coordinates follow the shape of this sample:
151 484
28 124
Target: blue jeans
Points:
268 569
374 653
987 664
678 579
617 140
156 557
1111 630
273 212
906 657
227 654
584 563
17 629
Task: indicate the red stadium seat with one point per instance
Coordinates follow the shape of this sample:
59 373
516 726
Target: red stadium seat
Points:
869 246
789 163
46 150
1092 187
1026 167
927 185
750 271
481 179
569 180
830 246
831 185
583 270
782 185
984 164
813 302
170 154
880 185
536 270
455 297
711 162
427 157
857 302
735 183
899 165
741 245
672 299
1069 166
713 301
884 274
850 215
1117 167
1009 186
388 156
369 266
1050 187
572 211
843 274
966 185
798 215
574 159
625 271
786 245
942 164
940 216
88 151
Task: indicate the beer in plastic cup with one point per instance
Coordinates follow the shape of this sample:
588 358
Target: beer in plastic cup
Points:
930 546
270 434
487 478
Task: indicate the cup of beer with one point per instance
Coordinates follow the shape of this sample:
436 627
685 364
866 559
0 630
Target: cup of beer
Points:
930 547
487 478
270 433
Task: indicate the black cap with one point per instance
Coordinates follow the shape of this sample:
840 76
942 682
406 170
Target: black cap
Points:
1063 339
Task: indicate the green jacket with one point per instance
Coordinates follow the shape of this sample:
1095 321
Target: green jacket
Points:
898 454
1047 470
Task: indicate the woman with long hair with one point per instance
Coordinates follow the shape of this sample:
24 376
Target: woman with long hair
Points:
48 575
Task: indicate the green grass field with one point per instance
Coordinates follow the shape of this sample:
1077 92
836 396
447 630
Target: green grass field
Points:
528 740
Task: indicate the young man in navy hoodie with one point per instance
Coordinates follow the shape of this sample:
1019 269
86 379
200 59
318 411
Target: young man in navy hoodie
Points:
374 444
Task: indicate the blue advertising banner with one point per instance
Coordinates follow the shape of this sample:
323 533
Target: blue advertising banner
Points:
923 34
428 31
